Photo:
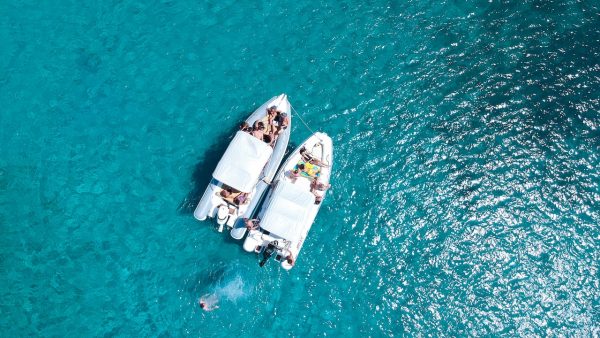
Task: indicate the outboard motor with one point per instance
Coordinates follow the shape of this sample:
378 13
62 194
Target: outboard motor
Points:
269 250
222 216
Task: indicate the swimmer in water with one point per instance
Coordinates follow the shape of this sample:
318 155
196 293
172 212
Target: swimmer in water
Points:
208 303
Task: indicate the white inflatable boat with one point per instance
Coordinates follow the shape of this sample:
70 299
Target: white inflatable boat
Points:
293 202
244 172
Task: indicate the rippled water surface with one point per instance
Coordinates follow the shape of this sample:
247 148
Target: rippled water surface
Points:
466 187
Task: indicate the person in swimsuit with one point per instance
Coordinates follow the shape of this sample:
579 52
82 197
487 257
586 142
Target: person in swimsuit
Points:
241 198
283 122
296 172
251 224
244 126
226 192
318 189
315 185
271 114
208 303
268 139
307 157
269 122
258 131
290 259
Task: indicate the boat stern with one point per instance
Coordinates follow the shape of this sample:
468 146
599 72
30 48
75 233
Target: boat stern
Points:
253 241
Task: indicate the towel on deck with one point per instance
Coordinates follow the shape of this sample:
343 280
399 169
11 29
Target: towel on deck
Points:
310 170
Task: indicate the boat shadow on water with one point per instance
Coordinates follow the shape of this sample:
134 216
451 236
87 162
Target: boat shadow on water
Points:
203 170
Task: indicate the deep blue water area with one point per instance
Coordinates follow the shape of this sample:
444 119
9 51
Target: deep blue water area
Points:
466 184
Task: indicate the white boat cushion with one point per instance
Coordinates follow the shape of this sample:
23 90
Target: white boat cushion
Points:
243 161
287 213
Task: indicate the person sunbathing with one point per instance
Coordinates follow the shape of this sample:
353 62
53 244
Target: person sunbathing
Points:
251 224
306 169
307 157
232 196
318 189
258 130
244 126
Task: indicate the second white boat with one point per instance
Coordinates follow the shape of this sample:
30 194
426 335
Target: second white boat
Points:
292 203
244 172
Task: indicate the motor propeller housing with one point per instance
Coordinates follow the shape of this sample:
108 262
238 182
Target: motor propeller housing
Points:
268 252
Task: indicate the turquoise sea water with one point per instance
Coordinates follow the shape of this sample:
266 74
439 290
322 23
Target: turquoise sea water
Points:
466 190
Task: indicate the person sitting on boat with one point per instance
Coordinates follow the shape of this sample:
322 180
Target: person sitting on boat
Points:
307 157
226 192
251 224
258 131
282 122
208 303
242 198
271 114
268 139
299 169
316 186
244 126
268 121
318 189
290 259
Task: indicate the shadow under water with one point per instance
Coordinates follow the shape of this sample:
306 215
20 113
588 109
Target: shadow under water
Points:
203 171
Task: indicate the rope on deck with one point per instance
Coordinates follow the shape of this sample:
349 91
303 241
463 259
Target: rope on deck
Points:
302 120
